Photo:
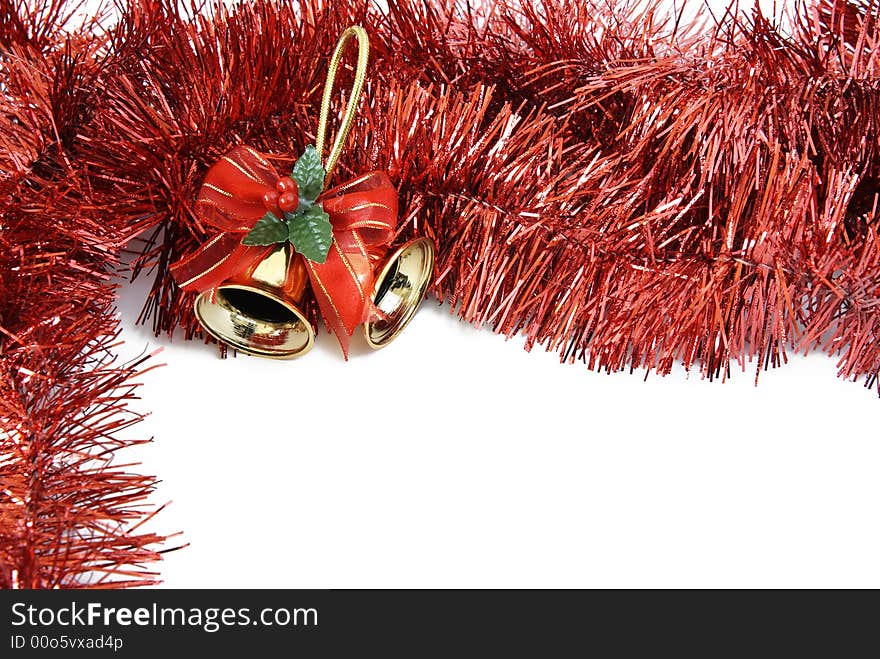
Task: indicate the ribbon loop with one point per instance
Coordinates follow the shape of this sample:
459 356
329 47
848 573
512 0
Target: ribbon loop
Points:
231 197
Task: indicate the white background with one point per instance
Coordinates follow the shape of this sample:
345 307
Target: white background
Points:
454 458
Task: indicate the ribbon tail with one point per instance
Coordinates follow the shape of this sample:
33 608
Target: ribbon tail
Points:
214 262
341 286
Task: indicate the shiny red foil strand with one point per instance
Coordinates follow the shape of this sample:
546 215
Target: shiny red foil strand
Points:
71 512
628 188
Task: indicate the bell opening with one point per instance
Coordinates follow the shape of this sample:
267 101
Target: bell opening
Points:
385 286
254 321
257 306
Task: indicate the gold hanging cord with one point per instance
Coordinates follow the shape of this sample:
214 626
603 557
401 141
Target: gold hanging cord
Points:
356 90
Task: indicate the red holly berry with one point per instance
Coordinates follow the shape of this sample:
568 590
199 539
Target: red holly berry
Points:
288 201
286 184
270 200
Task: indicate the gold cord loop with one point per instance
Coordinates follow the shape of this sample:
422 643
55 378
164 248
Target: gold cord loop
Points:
356 89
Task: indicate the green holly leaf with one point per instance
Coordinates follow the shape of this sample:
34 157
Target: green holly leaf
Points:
267 231
311 233
308 172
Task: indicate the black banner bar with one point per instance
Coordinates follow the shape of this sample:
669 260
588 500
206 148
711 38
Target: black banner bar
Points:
412 623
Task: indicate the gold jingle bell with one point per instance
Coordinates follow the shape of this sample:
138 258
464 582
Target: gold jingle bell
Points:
399 289
258 311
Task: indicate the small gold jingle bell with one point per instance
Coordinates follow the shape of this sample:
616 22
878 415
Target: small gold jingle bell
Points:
400 287
258 311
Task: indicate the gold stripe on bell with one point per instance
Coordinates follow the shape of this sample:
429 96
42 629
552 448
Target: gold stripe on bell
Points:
258 311
400 287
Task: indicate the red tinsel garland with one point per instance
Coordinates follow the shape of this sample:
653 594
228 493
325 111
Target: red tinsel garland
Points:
69 512
627 188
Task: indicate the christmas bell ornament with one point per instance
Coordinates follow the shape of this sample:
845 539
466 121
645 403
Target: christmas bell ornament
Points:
258 311
280 234
400 287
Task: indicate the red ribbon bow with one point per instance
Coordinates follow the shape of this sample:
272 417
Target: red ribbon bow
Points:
363 213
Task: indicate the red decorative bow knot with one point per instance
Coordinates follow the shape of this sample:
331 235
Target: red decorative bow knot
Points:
233 198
